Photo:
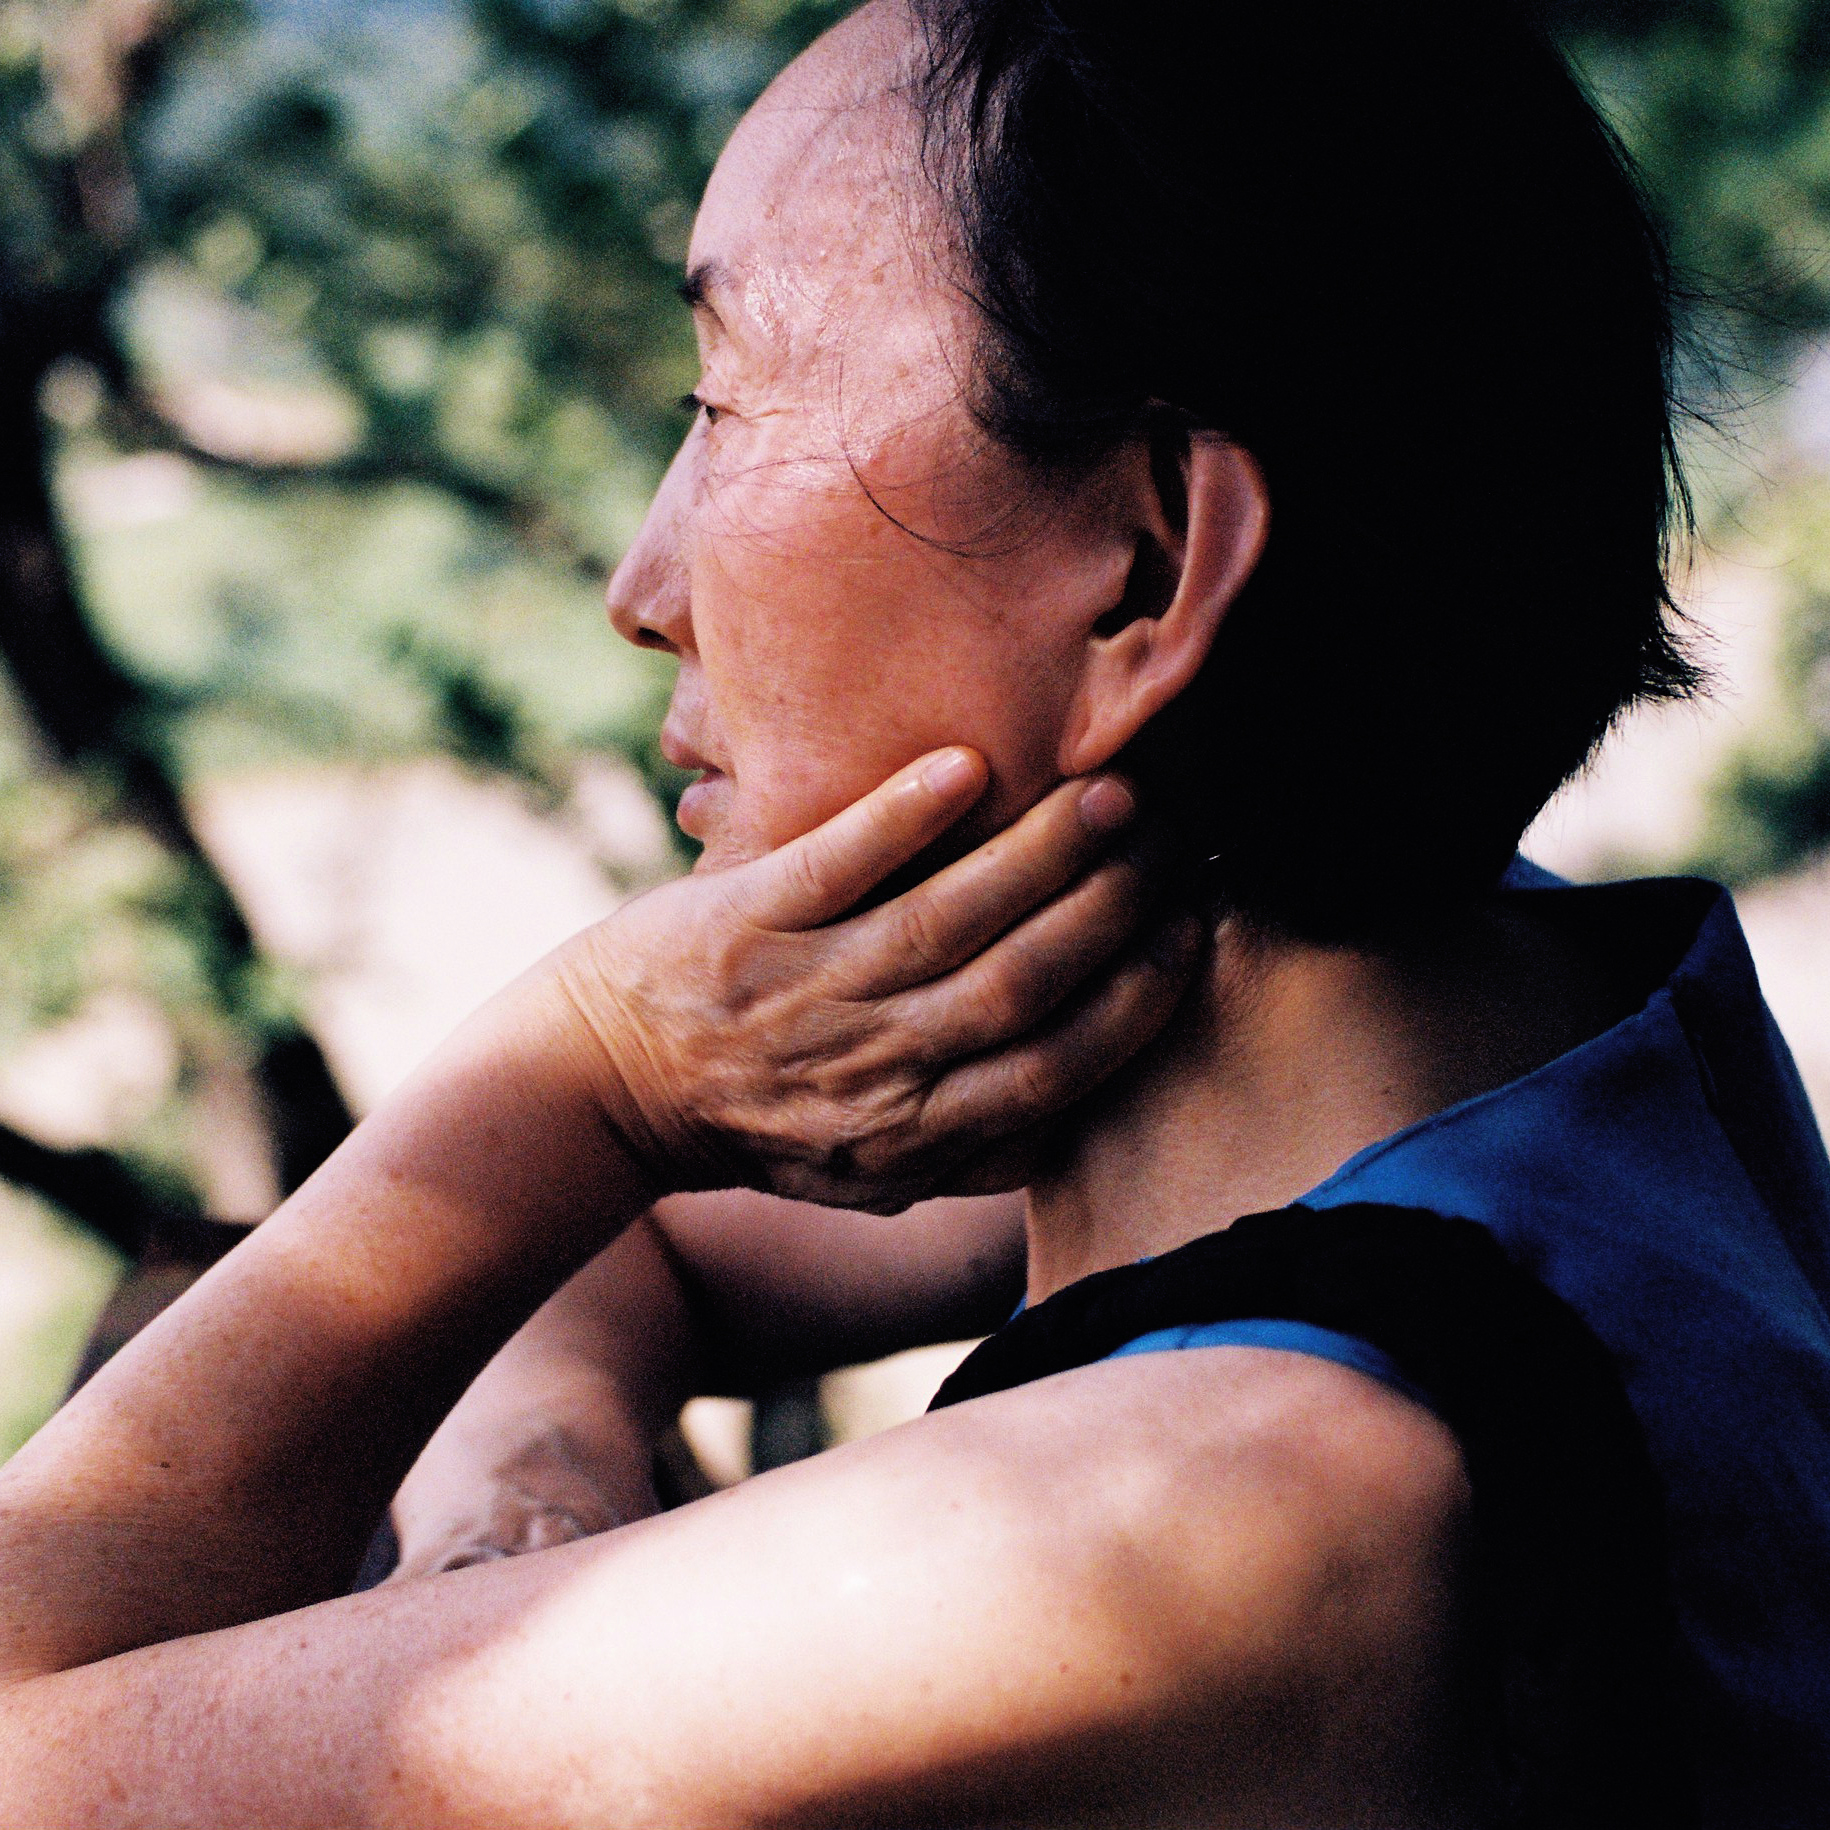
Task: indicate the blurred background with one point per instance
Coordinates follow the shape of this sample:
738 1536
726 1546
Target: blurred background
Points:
338 354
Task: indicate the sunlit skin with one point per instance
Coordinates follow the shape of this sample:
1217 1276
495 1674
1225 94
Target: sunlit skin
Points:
1192 1589
831 554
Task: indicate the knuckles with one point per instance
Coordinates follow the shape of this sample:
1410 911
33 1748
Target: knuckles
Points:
806 870
999 1004
746 1053
919 937
1035 1084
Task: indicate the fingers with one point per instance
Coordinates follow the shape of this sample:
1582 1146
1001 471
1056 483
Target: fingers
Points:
1019 979
816 878
1049 1069
961 911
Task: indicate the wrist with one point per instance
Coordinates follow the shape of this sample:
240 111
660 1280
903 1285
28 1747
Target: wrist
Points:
500 1157
612 1059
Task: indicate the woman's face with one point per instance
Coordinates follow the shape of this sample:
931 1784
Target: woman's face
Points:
847 573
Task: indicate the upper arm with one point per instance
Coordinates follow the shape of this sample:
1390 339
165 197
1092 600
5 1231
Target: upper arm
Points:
1207 1587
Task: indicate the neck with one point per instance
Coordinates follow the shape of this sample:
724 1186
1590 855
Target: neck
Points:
1287 1058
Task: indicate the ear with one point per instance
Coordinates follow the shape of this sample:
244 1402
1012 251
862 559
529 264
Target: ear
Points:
1202 516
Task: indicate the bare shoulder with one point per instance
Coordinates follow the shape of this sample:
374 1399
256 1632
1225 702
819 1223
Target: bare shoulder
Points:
1149 1449
1333 1465
1269 1543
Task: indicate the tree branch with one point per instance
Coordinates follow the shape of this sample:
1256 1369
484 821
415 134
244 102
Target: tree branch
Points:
107 1195
91 714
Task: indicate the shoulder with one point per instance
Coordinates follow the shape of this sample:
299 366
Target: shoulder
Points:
1224 1578
1308 1440
1293 1496
1263 1549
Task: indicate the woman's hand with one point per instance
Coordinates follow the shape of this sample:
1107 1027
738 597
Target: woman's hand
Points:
746 1034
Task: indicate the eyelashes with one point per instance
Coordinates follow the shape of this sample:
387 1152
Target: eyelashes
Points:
691 403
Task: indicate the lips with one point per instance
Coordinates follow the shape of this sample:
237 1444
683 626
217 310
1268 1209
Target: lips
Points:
699 805
696 804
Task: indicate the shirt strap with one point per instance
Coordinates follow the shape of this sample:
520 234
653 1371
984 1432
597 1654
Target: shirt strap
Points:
1286 1337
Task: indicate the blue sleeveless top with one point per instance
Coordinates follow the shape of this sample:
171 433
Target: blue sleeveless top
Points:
1667 1179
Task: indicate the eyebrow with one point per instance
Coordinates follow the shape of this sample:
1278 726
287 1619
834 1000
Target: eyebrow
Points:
702 280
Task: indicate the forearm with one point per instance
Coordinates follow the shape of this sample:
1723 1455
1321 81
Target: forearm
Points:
232 1461
733 1291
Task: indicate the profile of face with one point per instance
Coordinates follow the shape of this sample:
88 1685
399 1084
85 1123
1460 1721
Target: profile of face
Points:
849 572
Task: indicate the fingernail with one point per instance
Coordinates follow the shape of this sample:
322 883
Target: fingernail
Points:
948 773
1176 942
1106 805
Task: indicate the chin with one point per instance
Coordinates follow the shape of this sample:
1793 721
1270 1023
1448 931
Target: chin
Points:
721 848
713 857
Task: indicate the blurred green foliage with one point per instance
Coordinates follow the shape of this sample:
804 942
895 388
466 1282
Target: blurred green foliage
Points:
1725 104
57 1276
1770 807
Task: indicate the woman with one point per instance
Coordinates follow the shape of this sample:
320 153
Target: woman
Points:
1275 408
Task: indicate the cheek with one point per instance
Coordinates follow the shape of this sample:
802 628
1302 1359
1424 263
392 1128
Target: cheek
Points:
837 647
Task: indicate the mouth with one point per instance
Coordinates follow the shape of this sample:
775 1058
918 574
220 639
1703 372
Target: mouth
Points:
698 807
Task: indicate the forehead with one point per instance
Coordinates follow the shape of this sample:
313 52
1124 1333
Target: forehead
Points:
819 192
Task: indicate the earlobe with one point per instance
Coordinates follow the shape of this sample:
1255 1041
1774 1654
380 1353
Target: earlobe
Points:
1189 569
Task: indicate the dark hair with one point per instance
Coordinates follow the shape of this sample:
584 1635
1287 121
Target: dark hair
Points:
1394 252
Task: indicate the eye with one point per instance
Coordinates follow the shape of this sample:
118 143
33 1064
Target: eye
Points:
691 403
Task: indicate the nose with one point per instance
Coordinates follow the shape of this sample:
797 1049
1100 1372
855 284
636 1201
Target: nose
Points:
648 597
